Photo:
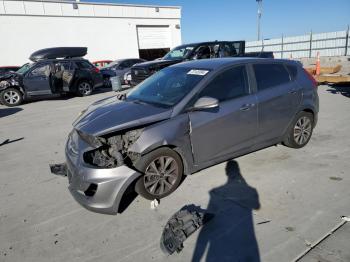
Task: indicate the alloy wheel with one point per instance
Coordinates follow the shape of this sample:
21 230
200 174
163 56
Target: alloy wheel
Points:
11 97
302 130
84 88
161 175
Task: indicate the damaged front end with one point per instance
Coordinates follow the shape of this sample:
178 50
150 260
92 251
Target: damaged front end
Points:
112 151
9 80
99 169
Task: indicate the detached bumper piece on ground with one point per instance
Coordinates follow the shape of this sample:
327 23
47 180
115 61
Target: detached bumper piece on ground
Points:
59 169
180 226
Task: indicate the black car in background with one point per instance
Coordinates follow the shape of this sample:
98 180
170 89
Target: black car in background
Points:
119 68
215 49
53 71
7 69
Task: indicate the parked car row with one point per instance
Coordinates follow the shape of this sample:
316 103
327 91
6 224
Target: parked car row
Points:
63 70
120 68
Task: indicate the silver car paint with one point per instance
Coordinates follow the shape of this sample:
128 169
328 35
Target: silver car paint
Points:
113 115
111 183
202 138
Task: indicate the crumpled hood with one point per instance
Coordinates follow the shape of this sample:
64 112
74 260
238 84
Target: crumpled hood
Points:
110 115
9 75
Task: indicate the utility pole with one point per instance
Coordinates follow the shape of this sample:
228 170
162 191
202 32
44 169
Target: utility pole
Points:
259 16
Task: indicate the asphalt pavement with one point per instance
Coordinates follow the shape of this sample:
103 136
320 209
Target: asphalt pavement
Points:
271 205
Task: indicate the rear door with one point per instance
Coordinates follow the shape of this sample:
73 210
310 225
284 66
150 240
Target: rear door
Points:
277 96
38 80
232 127
234 48
68 75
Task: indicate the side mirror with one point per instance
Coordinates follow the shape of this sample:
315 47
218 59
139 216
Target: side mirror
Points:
206 102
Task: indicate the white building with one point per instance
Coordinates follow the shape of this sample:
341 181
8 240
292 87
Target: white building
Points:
110 31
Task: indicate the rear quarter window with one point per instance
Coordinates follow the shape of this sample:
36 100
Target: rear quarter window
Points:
270 75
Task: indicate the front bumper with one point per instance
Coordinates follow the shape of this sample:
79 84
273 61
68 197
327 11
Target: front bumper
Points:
98 189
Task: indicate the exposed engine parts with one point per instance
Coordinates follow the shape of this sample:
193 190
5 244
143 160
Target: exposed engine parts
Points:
10 79
115 151
180 226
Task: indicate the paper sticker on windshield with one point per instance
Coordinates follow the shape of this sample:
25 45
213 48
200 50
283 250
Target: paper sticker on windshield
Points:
198 72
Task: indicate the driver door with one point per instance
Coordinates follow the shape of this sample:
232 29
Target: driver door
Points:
231 128
38 80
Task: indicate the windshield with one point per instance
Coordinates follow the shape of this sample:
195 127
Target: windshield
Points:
180 52
24 69
167 87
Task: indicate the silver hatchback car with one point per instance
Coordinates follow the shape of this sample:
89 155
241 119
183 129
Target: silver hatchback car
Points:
182 119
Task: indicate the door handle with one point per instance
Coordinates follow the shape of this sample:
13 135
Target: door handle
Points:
246 107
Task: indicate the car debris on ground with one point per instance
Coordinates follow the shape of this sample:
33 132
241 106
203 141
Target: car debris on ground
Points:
180 226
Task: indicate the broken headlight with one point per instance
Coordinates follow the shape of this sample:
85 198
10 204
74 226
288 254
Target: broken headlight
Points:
4 84
91 140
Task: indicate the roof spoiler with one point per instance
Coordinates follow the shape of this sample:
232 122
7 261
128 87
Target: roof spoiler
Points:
58 52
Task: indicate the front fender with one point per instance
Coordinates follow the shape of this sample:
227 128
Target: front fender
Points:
173 132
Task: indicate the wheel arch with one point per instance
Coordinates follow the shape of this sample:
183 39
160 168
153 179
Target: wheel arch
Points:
176 149
19 88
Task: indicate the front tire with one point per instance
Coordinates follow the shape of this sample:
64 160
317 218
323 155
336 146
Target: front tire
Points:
11 97
300 131
84 88
162 171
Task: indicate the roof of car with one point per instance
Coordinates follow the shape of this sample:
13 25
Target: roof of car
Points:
61 59
208 42
215 63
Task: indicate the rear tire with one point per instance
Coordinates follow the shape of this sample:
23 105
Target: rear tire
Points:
84 88
300 131
162 171
11 97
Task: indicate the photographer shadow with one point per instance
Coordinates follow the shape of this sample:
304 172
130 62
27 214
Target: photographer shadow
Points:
230 235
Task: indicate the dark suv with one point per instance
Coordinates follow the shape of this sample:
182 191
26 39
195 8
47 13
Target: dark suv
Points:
47 75
187 52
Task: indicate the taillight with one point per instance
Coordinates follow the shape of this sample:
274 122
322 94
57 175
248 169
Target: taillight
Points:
313 80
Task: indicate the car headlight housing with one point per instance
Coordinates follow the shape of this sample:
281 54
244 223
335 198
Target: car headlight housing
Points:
93 141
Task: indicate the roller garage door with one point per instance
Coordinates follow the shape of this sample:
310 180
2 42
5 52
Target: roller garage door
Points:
154 41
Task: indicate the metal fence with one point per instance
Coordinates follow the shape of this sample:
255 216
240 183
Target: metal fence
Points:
328 44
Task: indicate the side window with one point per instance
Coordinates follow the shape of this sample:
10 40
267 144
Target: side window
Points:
61 66
270 75
124 64
136 61
227 49
41 70
202 52
84 64
229 84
